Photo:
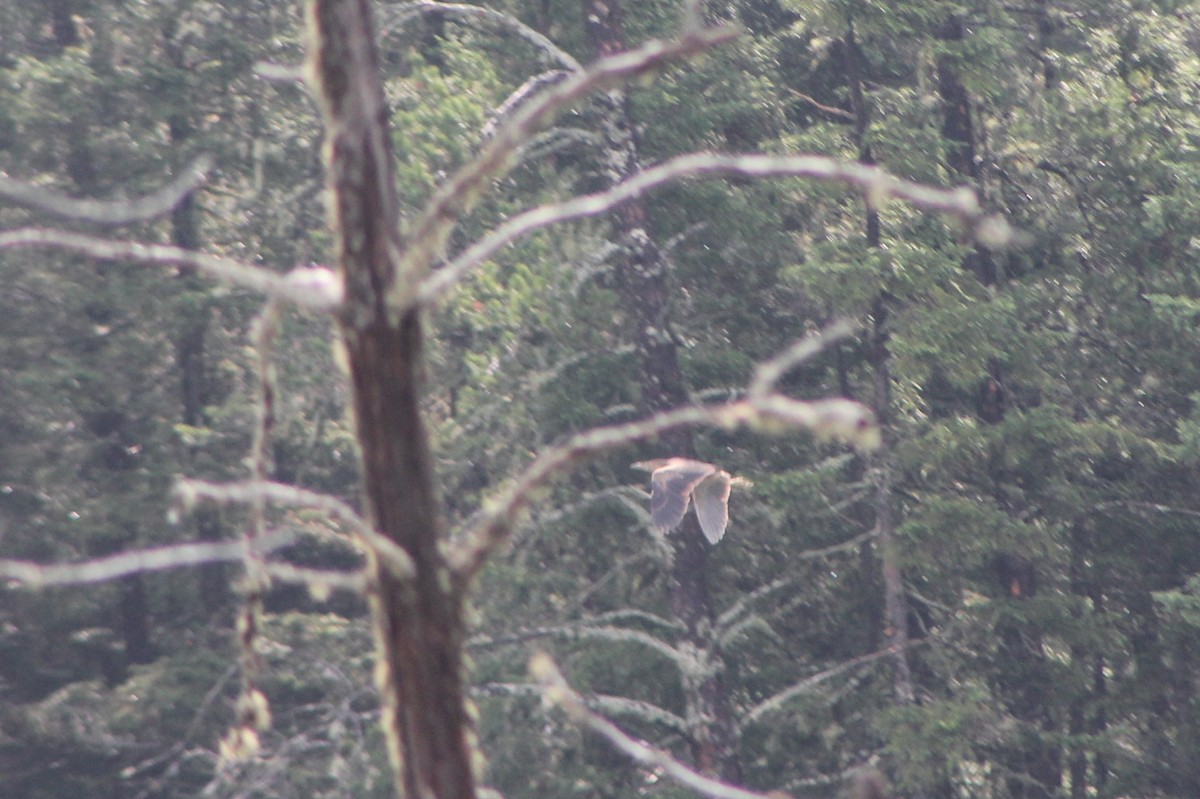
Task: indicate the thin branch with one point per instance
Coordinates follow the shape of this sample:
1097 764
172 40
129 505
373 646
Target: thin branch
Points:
601 703
828 109
316 288
187 492
805 686
727 620
402 13
768 373
579 632
876 184
109 212
432 230
319 581
113 567
828 418
556 690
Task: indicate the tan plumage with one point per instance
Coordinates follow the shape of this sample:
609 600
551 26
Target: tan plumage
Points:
677 482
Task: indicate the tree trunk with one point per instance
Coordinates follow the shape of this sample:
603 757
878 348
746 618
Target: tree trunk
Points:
895 605
643 286
417 617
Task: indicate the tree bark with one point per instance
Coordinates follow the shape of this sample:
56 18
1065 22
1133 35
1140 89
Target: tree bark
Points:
417 617
643 285
895 604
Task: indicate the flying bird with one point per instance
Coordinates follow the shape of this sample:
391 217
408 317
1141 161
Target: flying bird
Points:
676 482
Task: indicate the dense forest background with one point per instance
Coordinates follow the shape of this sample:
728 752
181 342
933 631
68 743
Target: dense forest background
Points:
1001 601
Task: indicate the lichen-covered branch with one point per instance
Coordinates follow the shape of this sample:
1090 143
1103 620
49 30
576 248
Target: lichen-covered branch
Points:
108 212
314 287
876 184
432 229
767 411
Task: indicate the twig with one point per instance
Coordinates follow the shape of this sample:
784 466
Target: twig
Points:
876 184
109 212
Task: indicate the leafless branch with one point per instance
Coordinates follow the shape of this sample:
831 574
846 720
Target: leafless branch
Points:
585 631
320 581
316 288
187 492
455 197
828 418
768 373
828 109
727 620
108 212
113 567
602 703
876 184
778 700
556 690
399 15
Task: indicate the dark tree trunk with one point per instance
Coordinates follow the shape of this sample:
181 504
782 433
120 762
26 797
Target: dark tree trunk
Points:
195 385
135 620
417 617
644 288
958 131
895 604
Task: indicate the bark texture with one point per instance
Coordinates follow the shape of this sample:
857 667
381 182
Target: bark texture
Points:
418 615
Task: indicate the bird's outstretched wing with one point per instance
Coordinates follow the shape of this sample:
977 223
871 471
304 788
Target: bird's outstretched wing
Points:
671 489
711 500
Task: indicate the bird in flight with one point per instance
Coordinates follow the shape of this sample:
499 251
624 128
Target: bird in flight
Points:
676 482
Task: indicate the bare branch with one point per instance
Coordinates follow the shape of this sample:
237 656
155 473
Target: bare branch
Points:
828 418
601 703
455 197
584 631
876 184
187 493
320 581
109 212
556 690
316 288
776 701
112 567
768 373
727 620
399 15
828 109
